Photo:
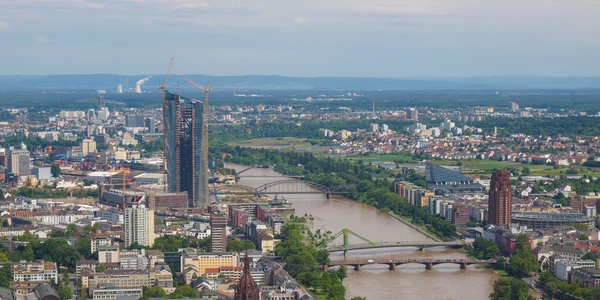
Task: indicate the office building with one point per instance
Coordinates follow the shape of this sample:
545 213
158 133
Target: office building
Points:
100 104
149 122
112 292
88 146
460 215
195 264
186 157
42 173
139 225
166 201
134 121
18 162
500 199
218 229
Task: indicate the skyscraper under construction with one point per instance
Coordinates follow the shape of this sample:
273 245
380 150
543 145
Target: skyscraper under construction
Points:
186 161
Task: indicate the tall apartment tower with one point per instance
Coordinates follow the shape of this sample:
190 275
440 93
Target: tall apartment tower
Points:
412 114
139 225
500 199
218 232
18 162
514 106
186 158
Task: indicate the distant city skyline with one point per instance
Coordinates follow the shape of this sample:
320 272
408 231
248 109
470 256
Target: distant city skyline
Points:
356 38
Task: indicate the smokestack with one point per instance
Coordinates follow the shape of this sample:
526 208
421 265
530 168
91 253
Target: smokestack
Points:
138 85
120 89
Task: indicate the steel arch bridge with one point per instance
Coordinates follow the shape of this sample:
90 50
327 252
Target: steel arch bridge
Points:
281 187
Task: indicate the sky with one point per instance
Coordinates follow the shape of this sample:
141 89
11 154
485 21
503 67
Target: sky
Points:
355 38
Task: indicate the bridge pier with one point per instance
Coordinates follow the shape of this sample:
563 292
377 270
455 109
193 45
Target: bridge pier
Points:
357 267
328 196
392 266
345 254
325 268
428 266
463 266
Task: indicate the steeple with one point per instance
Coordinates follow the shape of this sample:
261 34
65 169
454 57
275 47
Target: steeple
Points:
247 289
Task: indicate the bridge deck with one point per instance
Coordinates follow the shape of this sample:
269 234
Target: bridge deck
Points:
419 244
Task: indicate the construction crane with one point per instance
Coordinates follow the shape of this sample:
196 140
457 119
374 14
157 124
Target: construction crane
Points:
206 90
164 121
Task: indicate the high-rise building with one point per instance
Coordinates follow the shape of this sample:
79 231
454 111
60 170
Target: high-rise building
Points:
246 289
100 99
218 231
412 114
149 122
514 106
88 146
18 162
500 199
139 225
186 160
134 121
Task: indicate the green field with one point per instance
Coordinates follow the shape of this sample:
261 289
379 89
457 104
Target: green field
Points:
383 157
274 143
486 166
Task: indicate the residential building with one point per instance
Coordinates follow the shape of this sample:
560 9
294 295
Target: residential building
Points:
500 199
39 270
218 228
586 277
139 225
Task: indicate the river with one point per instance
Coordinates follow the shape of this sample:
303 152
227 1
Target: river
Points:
410 281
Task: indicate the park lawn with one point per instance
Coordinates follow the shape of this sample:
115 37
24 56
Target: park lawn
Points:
383 157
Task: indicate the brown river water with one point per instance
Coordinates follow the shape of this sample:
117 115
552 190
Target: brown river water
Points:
412 281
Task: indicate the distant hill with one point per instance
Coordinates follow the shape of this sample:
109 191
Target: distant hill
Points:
273 82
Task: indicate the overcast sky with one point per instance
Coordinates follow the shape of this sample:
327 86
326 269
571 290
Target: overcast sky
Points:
377 38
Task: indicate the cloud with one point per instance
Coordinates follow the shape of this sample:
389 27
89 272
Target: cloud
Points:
87 4
4 26
300 20
43 39
190 6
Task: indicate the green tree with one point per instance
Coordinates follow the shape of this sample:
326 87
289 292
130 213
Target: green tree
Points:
3 257
72 229
84 246
184 291
509 288
342 273
358 298
153 292
590 256
583 237
483 248
55 170
523 261
1 195
5 275
5 223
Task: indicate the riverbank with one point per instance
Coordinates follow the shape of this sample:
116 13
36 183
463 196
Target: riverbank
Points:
408 223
